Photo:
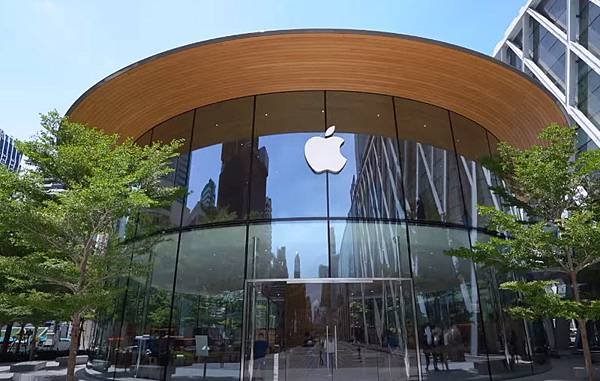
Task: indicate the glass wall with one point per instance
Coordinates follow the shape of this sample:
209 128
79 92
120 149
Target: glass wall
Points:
219 166
513 60
207 309
270 254
589 26
548 52
588 92
555 10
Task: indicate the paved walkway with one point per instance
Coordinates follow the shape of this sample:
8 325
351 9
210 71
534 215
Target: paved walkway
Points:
561 370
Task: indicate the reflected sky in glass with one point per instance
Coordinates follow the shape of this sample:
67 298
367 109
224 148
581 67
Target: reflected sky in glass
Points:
294 190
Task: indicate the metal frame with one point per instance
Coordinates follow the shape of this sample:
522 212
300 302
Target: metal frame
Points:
573 51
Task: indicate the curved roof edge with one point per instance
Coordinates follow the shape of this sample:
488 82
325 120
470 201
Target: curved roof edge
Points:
119 74
148 59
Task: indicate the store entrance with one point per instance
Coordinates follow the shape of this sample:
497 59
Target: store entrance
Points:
342 329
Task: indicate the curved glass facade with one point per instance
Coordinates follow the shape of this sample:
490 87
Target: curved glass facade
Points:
267 270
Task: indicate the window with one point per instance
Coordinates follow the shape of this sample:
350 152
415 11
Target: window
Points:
282 250
588 92
549 53
428 161
589 26
370 184
555 10
220 163
283 124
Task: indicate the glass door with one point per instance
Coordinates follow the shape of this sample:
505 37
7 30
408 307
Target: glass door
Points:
329 329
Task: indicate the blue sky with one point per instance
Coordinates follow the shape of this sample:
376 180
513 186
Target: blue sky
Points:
51 51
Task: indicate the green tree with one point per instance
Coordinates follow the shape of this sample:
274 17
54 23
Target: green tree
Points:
559 191
75 252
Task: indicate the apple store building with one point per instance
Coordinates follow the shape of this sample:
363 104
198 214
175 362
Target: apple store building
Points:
328 172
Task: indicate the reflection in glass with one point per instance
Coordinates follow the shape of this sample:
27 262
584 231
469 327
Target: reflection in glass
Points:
368 249
207 309
145 330
430 179
506 338
179 127
220 163
588 92
281 250
283 124
370 184
589 26
331 226
447 302
555 10
471 147
548 52
325 331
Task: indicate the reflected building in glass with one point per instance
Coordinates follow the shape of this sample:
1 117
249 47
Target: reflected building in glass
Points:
271 269
557 42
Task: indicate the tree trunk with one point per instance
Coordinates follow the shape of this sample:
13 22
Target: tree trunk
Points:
74 347
33 343
585 343
6 341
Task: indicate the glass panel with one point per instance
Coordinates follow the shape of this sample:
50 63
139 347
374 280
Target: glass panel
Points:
430 179
220 163
329 331
105 344
370 183
447 303
207 312
145 333
589 146
518 39
588 92
368 250
548 52
287 187
589 26
179 127
505 338
555 10
513 60
472 145
282 250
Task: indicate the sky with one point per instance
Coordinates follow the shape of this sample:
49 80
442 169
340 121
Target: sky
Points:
51 51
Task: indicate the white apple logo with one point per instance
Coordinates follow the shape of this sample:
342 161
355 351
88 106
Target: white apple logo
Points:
323 154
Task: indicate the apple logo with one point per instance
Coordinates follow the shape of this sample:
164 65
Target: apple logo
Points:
323 154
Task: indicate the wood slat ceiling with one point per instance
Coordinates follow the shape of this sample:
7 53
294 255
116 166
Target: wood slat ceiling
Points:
502 100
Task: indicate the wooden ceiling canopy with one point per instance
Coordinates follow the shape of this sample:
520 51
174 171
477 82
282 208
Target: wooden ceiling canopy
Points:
499 98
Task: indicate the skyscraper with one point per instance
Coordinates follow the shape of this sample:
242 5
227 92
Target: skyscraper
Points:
557 42
9 156
208 195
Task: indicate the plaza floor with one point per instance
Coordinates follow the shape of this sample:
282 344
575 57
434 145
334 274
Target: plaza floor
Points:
560 370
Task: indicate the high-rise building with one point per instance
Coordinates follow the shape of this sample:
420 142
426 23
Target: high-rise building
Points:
208 194
557 42
9 156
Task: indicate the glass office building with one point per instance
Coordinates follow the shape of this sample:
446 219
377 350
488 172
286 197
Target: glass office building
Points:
9 156
281 264
557 42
